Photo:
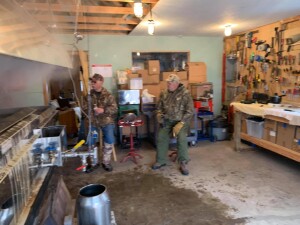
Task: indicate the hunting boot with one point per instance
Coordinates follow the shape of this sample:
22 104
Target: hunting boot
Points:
107 151
183 168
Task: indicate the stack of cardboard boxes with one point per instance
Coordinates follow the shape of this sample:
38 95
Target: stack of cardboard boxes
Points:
153 80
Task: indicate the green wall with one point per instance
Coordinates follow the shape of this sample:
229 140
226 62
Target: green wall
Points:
116 50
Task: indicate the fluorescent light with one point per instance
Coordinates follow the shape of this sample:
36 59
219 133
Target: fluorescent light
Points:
138 8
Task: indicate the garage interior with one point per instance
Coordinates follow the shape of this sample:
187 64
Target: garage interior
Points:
243 138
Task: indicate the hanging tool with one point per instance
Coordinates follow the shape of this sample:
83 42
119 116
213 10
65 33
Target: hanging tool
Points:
280 36
289 42
248 37
259 45
273 42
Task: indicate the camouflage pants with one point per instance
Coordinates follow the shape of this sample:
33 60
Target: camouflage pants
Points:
163 140
107 151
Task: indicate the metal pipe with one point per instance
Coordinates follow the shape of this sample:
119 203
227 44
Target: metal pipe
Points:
45 164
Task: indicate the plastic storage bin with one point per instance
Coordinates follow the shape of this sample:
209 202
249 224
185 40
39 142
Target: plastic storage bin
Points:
255 127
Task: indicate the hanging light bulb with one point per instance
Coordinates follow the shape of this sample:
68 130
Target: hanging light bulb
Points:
151 26
228 30
138 8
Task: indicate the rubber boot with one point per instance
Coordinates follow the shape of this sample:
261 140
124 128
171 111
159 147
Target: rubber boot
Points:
107 151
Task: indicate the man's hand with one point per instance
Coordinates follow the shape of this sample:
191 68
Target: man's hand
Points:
98 110
177 128
160 118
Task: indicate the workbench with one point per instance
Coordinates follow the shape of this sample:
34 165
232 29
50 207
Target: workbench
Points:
280 113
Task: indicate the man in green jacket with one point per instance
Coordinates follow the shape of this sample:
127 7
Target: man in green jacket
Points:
175 109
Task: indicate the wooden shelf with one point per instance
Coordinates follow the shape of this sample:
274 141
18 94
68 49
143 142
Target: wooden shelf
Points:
272 147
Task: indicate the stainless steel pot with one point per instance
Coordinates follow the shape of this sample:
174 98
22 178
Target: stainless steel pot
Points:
7 212
93 205
275 99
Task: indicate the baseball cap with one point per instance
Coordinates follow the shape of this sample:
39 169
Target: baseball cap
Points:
173 78
97 76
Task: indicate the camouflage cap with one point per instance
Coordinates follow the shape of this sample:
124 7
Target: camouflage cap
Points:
97 76
173 78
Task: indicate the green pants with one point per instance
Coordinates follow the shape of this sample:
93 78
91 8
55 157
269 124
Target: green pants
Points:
163 140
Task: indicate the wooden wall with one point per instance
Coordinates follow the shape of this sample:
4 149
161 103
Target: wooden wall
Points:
255 71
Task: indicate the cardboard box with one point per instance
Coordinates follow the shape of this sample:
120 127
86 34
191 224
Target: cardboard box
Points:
269 135
285 135
143 73
197 78
196 68
136 83
270 130
153 67
165 75
153 89
201 89
182 75
297 133
153 79
123 87
133 75
196 72
163 84
296 143
185 83
147 79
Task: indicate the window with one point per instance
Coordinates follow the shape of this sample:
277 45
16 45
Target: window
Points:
169 61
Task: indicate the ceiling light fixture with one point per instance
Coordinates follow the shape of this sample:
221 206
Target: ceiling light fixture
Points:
151 27
138 8
151 24
228 30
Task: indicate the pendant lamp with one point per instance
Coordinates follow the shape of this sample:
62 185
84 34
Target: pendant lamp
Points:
138 8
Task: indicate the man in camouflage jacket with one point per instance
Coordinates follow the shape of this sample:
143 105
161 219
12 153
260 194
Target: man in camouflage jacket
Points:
104 111
175 109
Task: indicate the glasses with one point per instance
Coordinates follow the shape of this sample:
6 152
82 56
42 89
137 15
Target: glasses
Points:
93 81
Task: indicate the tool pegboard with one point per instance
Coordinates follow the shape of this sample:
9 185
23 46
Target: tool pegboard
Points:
266 59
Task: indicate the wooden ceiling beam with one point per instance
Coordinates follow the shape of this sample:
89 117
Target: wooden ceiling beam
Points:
93 27
81 9
84 32
85 19
15 27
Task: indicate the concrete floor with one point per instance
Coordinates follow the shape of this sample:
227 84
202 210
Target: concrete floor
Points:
253 187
